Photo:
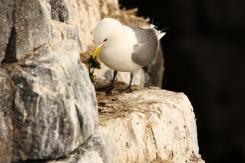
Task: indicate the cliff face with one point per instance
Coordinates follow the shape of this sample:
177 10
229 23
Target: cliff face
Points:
48 105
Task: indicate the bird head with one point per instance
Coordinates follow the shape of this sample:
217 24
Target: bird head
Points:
106 31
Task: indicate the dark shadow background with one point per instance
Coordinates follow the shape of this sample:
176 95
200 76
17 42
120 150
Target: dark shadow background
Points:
204 55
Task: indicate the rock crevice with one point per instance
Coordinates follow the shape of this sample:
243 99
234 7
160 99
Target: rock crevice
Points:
8 32
10 53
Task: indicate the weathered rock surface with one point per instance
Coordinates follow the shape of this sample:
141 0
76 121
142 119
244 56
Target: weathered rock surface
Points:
48 103
6 128
6 26
55 106
149 125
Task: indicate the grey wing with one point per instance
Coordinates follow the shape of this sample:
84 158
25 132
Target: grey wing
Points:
145 50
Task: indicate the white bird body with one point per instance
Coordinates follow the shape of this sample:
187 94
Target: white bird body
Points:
119 56
124 48
121 42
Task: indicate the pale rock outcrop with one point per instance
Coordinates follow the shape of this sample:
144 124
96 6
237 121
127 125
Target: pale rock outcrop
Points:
55 107
149 125
52 107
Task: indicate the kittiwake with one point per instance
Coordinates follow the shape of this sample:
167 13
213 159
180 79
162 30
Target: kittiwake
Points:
125 48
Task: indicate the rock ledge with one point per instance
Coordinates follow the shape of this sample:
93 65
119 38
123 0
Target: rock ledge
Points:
148 125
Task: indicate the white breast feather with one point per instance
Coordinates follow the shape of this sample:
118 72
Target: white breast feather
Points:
118 55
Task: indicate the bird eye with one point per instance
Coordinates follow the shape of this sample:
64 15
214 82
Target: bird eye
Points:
105 39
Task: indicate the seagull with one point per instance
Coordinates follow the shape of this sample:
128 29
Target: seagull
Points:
125 48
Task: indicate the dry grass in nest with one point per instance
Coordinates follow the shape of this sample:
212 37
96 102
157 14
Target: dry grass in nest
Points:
85 55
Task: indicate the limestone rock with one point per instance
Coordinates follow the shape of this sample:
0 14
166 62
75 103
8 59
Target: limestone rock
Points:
55 106
149 125
6 26
6 128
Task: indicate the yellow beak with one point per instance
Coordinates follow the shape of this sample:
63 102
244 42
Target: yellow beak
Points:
97 51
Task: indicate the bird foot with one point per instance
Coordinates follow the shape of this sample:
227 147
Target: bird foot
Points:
128 90
109 91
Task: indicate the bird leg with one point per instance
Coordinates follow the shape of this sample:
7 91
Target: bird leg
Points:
129 89
108 91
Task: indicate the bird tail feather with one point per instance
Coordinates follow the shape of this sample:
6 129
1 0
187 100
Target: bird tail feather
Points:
159 33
